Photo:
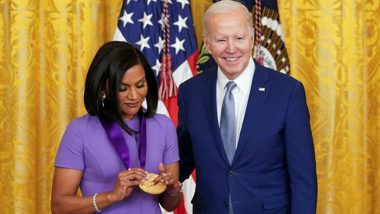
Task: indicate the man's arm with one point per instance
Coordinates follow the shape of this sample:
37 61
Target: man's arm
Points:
300 154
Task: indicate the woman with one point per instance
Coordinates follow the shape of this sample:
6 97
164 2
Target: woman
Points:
108 152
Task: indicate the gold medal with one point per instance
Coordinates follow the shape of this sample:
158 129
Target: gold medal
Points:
148 186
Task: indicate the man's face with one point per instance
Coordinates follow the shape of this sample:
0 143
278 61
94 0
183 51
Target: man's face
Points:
229 41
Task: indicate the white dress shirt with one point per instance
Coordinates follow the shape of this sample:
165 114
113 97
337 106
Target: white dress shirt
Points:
241 94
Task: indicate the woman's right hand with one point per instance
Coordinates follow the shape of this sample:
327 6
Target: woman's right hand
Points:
126 182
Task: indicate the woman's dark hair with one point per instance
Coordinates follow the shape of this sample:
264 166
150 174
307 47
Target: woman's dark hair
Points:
110 63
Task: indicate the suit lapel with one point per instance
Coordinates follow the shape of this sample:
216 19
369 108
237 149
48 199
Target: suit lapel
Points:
257 98
209 101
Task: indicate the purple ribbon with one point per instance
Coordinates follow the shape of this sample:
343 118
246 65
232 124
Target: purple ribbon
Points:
115 135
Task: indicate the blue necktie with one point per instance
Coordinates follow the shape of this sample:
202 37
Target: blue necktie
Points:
227 122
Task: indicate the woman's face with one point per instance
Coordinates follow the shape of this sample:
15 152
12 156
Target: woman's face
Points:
132 91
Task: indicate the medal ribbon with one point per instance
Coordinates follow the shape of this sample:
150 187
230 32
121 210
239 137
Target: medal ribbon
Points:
115 135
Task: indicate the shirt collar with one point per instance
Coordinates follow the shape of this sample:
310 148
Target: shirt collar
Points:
243 81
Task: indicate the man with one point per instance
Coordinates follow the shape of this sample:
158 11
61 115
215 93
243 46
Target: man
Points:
245 128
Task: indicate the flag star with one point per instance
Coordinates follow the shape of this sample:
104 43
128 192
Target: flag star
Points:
183 2
150 1
159 45
161 22
181 23
126 18
143 42
145 20
178 45
157 67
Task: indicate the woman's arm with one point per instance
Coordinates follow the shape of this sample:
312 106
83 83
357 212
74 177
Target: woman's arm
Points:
171 198
66 184
65 187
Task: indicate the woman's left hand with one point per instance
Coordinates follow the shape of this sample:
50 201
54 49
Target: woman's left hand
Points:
169 175
174 187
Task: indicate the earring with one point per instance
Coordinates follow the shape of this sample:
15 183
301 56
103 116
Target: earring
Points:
103 98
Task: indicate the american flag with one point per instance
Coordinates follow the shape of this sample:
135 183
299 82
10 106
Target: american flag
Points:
163 30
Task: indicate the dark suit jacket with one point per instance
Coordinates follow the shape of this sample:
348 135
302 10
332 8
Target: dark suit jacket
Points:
273 170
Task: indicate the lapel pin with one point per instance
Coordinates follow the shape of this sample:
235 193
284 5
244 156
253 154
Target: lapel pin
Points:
261 89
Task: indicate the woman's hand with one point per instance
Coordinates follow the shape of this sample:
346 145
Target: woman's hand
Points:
174 187
126 182
171 198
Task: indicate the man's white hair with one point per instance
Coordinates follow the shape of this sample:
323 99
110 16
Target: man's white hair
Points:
225 6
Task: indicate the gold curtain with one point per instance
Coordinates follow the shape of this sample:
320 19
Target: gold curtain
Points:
46 48
47 45
334 49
